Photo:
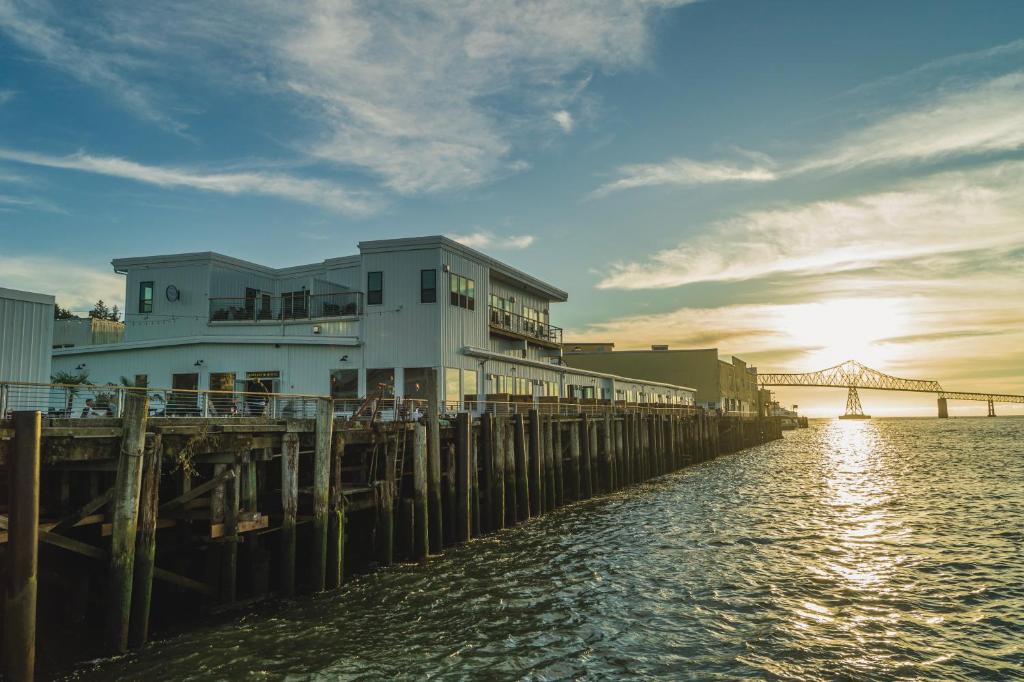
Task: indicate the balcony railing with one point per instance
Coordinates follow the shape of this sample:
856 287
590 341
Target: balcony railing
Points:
298 306
517 324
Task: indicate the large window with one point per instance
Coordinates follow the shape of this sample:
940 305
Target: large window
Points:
452 390
344 384
374 288
416 382
469 387
295 305
380 379
222 400
462 291
145 297
428 286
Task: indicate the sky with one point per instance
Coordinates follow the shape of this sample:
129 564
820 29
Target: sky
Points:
794 183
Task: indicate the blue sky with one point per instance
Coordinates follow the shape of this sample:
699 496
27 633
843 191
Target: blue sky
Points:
794 182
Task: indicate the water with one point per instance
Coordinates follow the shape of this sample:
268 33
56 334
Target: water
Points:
885 549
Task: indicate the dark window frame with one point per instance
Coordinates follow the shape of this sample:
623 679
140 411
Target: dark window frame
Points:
146 302
462 291
375 296
428 294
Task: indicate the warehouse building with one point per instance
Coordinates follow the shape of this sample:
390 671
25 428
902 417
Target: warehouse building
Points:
396 315
26 333
729 386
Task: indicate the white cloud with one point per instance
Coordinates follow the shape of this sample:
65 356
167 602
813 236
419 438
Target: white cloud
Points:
682 172
412 93
29 203
944 213
490 240
564 120
76 286
321 193
7 95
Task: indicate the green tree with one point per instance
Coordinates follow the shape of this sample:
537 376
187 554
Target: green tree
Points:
100 311
62 313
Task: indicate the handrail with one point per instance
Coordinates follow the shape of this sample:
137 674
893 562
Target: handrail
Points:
516 323
299 306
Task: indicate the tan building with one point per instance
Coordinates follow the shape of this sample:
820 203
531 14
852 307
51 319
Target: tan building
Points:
86 331
730 386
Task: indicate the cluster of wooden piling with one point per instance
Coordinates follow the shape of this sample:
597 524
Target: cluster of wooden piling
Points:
207 512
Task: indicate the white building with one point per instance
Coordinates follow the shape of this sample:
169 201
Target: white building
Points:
344 326
26 333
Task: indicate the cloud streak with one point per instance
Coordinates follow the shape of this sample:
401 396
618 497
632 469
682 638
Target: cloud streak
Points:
76 286
682 172
322 193
492 241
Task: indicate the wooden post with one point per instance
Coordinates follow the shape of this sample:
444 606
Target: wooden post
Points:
497 492
586 481
536 470
125 512
559 453
22 548
229 555
421 544
336 517
463 477
486 448
451 484
619 454
385 530
289 505
573 485
434 464
324 441
474 478
522 469
608 465
549 464
511 494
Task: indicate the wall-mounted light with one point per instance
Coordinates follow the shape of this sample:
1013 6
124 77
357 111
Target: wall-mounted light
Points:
80 367
343 358
199 363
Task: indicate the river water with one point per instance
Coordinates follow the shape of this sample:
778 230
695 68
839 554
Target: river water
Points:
884 549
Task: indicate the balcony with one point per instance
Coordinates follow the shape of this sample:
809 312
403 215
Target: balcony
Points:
509 324
297 306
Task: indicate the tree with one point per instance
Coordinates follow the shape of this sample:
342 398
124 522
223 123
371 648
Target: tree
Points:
62 313
100 311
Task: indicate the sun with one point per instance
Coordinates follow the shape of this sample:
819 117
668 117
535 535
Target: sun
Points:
845 329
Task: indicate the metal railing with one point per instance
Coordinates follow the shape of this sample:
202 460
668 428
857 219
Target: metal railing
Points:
84 401
266 308
517 324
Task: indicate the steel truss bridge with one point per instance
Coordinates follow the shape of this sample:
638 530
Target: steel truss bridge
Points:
852 375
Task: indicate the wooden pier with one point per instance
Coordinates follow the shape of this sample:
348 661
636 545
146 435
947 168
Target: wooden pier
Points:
112 525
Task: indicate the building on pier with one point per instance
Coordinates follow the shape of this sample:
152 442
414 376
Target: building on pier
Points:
393 315
26 333
729 386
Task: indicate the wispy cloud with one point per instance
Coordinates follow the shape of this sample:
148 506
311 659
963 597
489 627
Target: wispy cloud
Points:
489 240
317 192
30 203
683 172
7 95
564 120
76 286
919 217
405 94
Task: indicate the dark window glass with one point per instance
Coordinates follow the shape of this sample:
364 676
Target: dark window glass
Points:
344 384
145 297
463 292
454 296
416 382
428 286
471 294
381 379
374 288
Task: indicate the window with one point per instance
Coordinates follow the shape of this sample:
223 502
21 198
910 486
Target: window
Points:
142 380
374 288
380 378
250 303
451 386
415 382
469 387
222 400
145 297
462 291
344 384
428 286
295 305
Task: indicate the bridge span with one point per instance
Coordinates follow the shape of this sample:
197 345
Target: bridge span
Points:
852 375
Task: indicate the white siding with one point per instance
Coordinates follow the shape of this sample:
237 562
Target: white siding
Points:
26 335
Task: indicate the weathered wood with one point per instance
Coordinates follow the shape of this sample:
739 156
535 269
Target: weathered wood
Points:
549 463
384 536
145 548
324 441
536 465
229 550
487 443
336 517
434 463
421 530
522 468
451 484
125 517
618 467
586 444
511 494
20 592
558 449
289 510
463 477
498 482
573 477
198 491
85 510
608 456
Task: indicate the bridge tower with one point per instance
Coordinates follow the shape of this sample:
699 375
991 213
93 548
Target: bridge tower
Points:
991 408
943 409
854 410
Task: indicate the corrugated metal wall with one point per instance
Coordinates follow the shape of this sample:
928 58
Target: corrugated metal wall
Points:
26 336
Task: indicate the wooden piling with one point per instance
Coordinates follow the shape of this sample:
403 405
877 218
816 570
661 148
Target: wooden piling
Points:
324 441
536 466
421 529
125 513
289 509
434 463
19 630
608 456
229 540
572 485
498 482
487 445
522 468
385 526
463 477
559 460
549 464
511 495
586 458
336 517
